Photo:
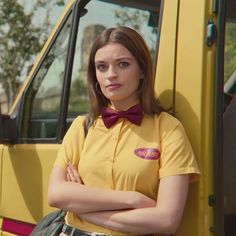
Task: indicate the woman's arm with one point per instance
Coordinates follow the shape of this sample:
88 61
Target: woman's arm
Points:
163 218
78 198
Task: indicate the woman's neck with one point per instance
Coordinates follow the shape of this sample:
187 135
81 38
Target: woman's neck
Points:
123 107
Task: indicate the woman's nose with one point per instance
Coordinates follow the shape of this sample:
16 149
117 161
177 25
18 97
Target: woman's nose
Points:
111 73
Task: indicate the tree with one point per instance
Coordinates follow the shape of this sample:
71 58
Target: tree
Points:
45 10
230 50
19 40
134 19
79 101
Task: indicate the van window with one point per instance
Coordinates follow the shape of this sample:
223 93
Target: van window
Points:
43 97
229 121
142 16
230 61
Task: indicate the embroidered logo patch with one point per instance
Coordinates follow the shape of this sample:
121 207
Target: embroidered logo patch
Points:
147 153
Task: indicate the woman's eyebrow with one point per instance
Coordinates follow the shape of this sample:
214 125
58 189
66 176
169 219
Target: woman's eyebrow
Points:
99 61
117 58
120 58
124 58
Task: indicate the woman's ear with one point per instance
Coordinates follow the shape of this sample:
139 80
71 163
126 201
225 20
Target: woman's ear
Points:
142 75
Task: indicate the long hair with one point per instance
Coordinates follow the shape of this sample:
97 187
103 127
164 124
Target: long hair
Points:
132 41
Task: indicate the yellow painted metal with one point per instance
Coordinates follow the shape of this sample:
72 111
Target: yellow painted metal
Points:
187 73
1 152
6 234
25 168
165 70
0 225
25 175
193 96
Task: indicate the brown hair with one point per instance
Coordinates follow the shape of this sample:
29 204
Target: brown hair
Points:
131 40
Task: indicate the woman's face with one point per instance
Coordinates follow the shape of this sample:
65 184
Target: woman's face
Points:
118 74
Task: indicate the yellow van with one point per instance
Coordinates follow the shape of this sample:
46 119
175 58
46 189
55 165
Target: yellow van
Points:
188 40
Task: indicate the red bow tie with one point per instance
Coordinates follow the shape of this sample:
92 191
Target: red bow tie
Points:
110 116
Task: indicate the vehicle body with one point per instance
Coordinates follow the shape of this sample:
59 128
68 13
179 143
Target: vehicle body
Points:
186 39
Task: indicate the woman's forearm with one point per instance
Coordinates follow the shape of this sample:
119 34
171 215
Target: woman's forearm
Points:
78 198
164 218
83 199
139 221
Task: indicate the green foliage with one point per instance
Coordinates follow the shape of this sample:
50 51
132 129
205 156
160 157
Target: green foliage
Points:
79 101
133 19
44 3
230 50
48 8
60 2
21 39
18 42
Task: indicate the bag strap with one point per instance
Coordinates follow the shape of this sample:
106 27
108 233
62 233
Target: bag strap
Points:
88 121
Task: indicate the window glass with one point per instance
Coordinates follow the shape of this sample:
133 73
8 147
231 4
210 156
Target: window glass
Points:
230 62
229 121
142 16
42 101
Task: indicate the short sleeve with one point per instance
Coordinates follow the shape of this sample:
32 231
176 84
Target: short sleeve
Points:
177 156
72 144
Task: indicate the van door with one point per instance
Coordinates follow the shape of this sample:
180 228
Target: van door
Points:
26 163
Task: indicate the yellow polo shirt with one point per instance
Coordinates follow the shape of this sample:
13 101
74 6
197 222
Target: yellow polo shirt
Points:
127 157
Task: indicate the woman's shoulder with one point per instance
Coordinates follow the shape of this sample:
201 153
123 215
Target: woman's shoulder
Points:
167 118
77 124
168 122
79 119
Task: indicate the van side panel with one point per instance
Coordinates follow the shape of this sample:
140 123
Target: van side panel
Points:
185 79
25 181
194 107
165 72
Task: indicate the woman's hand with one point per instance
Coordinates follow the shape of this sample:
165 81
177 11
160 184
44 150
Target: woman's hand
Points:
72 174
67 191
138 200
142 201
164 218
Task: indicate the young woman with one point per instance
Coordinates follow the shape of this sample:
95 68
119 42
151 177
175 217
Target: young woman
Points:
131 173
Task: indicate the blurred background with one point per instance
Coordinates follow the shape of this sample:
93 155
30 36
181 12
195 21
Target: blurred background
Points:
24 27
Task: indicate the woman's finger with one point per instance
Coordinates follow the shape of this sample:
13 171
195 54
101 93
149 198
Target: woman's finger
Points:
68 177
73 173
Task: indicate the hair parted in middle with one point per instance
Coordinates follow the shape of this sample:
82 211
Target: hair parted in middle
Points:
136 45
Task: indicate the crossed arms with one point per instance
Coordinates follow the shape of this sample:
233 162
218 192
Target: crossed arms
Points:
124 211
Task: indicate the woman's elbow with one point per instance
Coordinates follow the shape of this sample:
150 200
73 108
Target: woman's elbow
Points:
55 193
53 198
171 225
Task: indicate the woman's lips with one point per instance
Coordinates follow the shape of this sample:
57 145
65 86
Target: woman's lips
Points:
113 86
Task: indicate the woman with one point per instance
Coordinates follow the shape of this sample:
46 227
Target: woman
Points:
130 176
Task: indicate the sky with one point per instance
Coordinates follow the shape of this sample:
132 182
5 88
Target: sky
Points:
41 12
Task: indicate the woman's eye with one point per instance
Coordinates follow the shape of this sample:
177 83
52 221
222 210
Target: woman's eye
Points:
123 64
101 67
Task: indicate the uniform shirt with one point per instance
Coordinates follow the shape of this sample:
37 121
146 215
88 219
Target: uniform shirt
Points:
127 156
